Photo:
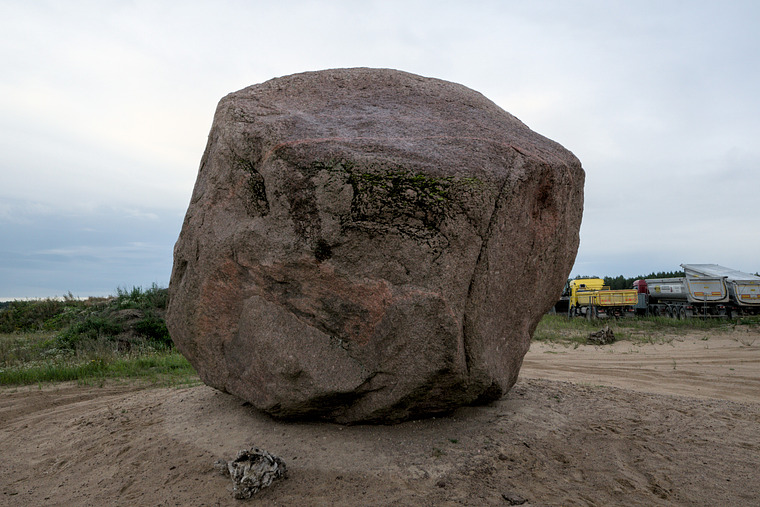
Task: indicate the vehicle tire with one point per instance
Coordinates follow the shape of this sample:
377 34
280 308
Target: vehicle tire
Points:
682 313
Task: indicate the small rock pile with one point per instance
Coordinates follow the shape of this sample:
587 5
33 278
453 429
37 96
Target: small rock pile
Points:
602 337
252 471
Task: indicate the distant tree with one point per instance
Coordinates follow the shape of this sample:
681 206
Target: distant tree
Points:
615 283
665 274
621 282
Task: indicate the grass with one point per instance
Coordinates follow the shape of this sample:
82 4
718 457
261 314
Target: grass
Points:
560 329
88 341
165 368
125 337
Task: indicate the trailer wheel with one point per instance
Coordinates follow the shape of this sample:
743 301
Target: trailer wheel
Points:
682 313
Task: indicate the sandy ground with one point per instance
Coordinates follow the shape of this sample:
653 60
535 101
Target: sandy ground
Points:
668 424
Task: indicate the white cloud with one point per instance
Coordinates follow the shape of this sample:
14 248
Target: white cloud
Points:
106 106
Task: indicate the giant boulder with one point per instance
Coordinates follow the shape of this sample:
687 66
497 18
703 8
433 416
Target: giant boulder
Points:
369 245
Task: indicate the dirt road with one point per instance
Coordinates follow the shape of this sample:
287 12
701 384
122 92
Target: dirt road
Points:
725 367
669 424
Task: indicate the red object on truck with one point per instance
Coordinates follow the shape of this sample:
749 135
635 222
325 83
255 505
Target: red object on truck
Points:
641 286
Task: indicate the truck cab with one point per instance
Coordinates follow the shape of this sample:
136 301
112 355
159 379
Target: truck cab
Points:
582 290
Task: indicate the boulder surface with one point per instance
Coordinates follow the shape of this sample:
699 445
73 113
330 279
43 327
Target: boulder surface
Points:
369 245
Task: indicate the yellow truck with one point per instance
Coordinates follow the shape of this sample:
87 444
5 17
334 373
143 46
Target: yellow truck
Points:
590 298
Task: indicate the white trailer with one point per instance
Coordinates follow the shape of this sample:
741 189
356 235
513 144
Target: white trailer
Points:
685 297
743 288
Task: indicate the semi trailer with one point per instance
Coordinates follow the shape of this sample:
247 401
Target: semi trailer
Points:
682 297
706 290
743 288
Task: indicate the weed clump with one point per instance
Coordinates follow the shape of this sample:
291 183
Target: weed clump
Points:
41 314
71 338
153 328
134 318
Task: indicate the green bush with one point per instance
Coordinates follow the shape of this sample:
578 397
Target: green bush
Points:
38 314
92 328
153 328
153 298
71 339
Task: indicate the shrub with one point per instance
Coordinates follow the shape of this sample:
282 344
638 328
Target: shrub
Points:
139 298
92 328
83 325
153 328
39 314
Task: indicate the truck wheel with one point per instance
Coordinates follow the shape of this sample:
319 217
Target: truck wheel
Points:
682 313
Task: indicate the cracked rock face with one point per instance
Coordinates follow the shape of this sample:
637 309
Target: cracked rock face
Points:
369 245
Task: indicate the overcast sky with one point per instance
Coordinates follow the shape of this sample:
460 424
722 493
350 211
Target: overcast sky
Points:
105 108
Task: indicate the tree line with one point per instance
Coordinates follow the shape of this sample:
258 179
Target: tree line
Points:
621 282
